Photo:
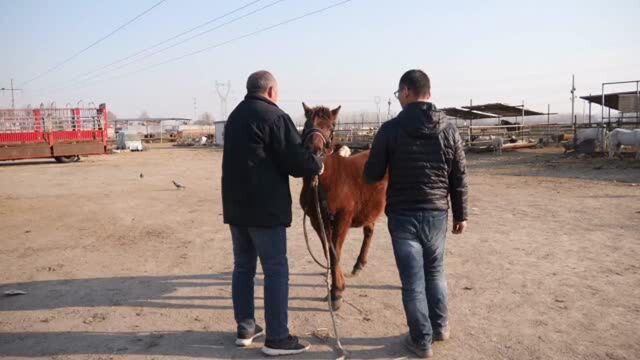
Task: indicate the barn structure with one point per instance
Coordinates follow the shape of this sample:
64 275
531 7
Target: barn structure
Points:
498 111
626 106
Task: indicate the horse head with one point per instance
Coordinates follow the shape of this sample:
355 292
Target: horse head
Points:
320 123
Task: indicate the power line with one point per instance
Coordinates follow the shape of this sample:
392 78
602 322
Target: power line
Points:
169 39
201 33
94 43
93 78
282 23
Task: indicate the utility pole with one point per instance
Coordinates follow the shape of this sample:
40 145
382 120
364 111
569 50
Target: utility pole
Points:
549 122
470 121
573 100
589 111
522 127
573 97
223 90
389 109
13 90
195 109
377 100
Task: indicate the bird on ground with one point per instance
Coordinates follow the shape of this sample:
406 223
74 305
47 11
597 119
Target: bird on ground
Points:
178 185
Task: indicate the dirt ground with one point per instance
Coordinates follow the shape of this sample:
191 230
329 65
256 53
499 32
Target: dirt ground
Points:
117 266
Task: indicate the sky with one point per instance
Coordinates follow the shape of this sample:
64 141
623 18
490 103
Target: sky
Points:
349 55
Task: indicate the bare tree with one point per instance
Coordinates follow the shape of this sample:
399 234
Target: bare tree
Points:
144 115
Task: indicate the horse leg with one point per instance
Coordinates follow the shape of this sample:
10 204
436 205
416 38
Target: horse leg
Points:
612 150
339 233
315 224
619 151
364 250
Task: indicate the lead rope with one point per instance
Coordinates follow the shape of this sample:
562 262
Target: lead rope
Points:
306 239
342 353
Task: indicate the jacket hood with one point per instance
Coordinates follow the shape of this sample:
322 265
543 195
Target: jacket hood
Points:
416 119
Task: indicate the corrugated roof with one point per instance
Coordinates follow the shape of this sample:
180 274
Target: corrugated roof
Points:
503 110
466 114
611 100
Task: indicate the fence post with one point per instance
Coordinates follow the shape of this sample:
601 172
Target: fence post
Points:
548 122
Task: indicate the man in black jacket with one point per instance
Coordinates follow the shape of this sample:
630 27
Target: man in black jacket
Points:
425 160
262 148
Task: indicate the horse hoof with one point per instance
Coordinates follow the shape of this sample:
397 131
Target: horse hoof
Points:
356 270
336 304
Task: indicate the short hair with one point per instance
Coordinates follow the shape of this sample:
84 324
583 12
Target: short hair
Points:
417 82
259 82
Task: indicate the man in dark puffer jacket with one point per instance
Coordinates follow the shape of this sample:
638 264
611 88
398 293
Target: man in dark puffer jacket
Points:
426 164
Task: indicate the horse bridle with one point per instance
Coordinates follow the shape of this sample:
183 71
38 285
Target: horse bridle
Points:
310 133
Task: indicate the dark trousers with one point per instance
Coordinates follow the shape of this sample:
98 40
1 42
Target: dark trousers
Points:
270 245
419 244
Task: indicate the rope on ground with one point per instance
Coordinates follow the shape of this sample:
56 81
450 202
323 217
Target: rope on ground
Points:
342 353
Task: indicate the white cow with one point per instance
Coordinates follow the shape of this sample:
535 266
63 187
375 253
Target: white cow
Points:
619 137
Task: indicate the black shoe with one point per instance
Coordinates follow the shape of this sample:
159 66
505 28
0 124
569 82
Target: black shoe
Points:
421 351
288 346
244 338
441 335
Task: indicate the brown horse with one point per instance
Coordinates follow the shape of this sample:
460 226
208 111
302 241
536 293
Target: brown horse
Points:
347 202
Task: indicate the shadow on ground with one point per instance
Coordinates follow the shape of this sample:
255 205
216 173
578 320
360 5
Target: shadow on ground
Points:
154 292
140 291
29 163
214 345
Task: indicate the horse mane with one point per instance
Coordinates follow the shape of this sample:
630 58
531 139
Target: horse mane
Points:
321 112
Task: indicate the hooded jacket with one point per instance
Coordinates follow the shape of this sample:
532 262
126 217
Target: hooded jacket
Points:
425 159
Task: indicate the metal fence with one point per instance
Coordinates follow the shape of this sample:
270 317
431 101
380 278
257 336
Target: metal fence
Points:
49 120
535 132
361 134
18 121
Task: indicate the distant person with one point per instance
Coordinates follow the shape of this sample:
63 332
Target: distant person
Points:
262 148
425 160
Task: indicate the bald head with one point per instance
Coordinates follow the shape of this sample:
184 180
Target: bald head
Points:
259 82
264 84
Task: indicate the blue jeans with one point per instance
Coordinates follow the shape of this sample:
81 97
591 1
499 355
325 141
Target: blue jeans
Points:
418 245
270 245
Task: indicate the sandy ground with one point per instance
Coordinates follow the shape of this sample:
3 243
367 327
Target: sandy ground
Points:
116 266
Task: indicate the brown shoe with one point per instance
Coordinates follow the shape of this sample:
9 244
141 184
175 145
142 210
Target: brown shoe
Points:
421 351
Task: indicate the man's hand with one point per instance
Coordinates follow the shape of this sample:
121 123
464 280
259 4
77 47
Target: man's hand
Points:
321 169
459 226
